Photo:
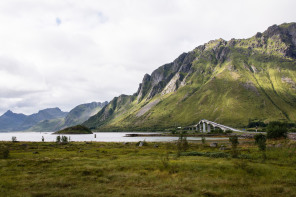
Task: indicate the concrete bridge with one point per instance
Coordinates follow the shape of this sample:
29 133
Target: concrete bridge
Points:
205 126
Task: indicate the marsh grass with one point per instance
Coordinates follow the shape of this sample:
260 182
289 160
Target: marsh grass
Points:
117 169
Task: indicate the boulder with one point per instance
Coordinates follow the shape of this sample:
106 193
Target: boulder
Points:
214 144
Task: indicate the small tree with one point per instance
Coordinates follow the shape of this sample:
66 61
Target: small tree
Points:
13 139
58 139
182 144
203 140
42 139
234 144
64 139
260 140
276 130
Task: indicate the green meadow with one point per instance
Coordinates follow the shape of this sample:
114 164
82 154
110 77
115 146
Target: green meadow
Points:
155 169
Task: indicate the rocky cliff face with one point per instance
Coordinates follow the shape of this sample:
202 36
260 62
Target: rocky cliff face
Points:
226 81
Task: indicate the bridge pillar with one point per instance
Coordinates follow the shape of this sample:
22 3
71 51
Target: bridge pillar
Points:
204 127
209 128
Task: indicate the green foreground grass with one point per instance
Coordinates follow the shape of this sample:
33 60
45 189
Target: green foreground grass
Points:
117 169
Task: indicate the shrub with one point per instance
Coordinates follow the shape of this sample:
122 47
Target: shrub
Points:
234 144
64 139
293 130
182 144
217 130
228 131
203 140
13 139
254 124
276 130
173 131
260 140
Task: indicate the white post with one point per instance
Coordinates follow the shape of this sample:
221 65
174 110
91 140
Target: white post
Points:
209 128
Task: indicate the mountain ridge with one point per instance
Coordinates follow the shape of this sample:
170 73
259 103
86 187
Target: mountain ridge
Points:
76 116
10 121
49 119
226 81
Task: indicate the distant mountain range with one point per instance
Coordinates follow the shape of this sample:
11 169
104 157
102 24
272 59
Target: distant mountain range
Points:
51 119
229 82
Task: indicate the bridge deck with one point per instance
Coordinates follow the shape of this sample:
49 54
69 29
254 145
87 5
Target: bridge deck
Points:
214 124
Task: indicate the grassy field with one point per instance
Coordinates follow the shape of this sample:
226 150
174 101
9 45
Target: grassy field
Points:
118 169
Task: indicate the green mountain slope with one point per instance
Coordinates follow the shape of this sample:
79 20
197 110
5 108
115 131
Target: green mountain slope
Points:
229 82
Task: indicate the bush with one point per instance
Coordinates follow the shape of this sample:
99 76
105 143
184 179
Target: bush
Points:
234 144
228 131
64 139
182 144
217 130
254 124
13 139
173 131
276 130
260 140
203 140
293 130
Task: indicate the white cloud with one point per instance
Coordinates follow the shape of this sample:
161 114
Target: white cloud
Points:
63 53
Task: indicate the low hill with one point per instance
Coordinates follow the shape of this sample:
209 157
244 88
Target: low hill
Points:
78 129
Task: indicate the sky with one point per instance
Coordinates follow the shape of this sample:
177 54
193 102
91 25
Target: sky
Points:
62 53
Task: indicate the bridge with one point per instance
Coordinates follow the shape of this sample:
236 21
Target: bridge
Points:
205 126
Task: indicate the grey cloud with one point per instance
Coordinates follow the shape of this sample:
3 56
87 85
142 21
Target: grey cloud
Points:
103 48
8 93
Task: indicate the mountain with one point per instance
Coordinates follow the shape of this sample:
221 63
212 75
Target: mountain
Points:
229 82
83 112
76 116
10 121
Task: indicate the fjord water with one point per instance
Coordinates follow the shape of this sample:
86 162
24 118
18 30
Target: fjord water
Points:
100 137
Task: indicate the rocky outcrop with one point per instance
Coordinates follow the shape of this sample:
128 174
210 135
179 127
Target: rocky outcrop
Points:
147 107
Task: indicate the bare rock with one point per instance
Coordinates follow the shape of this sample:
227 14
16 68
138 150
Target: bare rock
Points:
214 144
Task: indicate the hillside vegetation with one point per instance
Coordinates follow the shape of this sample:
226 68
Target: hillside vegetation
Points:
229 82
78 129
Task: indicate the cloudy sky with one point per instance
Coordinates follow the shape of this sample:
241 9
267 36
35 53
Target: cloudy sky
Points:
61 53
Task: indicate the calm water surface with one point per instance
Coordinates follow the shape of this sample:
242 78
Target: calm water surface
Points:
100 137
